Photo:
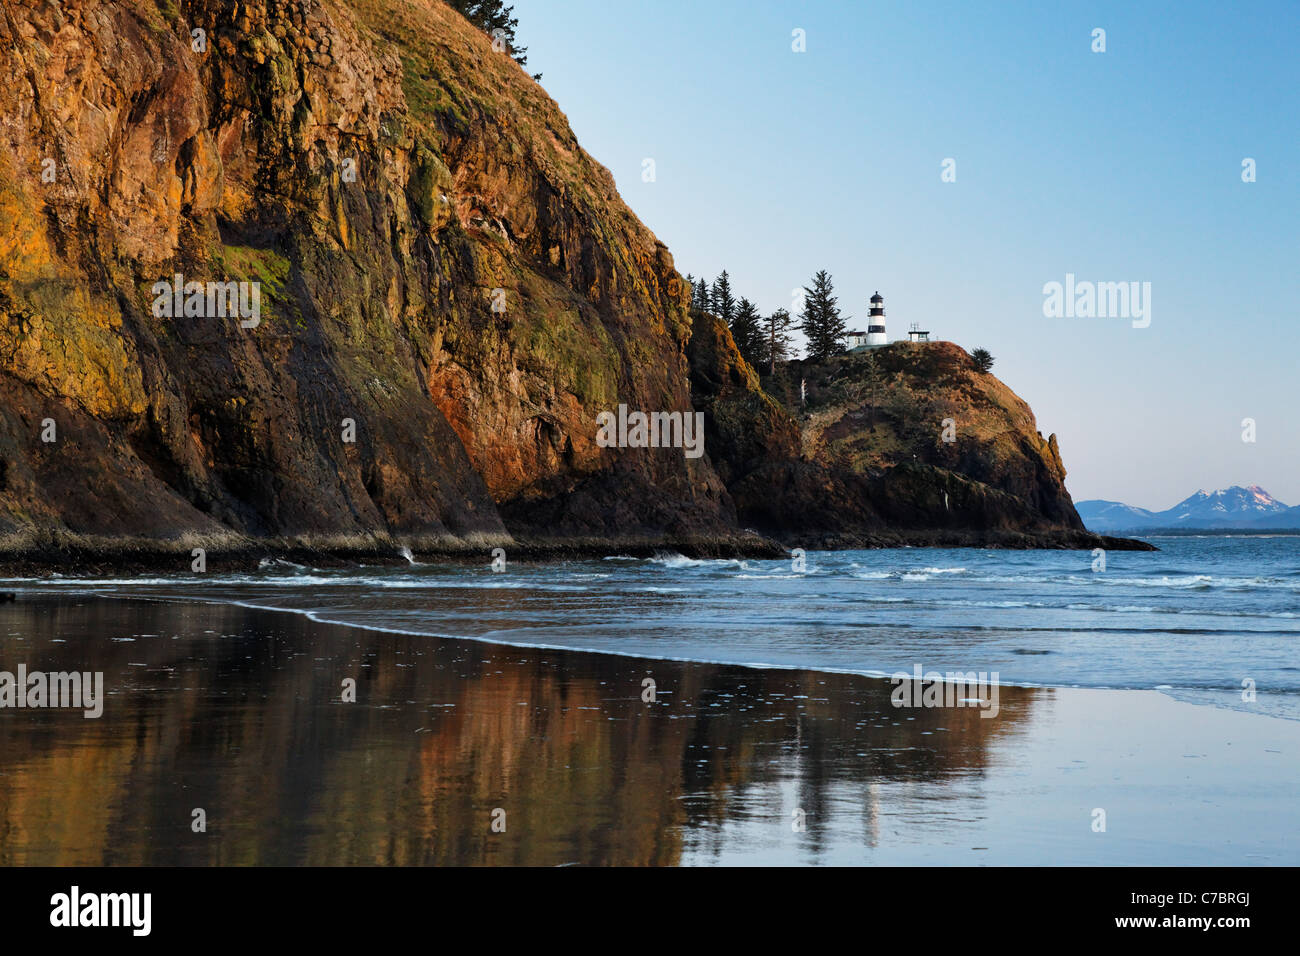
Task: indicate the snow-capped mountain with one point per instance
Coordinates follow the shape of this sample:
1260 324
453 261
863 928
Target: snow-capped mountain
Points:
1235 507
1228 507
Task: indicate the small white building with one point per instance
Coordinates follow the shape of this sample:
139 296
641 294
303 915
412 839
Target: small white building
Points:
855 340
917 334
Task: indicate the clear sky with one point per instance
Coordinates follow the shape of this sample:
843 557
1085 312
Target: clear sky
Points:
1117 166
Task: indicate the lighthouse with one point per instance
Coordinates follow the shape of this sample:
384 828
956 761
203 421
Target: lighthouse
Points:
876 320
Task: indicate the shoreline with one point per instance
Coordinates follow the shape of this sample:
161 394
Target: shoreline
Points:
631 656
238 710
869 674
78 555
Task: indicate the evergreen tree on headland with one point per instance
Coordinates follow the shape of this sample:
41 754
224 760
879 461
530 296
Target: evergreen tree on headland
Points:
722 302
700 299
983 359
821 321
776 341
747 333
491 16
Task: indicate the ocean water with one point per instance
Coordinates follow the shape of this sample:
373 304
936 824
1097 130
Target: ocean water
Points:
1205 620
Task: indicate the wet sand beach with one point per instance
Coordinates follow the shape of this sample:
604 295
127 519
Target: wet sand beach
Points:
240 713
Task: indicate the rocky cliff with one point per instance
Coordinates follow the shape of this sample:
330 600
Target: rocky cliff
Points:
433 292
905 444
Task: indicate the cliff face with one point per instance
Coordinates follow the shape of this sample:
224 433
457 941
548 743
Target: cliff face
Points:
907 444
448 291
439 262
745 428
932 404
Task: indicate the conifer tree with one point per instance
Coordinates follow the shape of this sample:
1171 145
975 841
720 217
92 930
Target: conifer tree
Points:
722 302
822 323
492 16
775 338
746 330
701 297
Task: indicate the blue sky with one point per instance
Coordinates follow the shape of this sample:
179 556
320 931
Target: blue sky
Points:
1117 166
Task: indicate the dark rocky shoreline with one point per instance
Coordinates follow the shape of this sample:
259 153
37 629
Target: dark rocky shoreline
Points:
126 556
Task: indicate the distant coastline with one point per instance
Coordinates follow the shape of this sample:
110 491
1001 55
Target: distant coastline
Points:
1214 532
1248 509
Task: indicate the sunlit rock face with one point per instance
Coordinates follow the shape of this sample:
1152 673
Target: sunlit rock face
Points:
438 261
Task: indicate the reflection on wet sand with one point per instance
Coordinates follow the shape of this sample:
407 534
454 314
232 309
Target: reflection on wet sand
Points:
239 712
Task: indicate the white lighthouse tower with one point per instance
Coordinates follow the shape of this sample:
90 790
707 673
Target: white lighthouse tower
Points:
876 319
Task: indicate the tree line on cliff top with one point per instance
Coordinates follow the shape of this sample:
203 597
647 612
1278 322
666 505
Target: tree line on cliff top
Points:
765 340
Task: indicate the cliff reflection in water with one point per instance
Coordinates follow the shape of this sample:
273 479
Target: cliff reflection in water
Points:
239 712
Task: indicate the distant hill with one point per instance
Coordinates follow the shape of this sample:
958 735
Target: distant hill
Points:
1289 518
1236 507
1099 513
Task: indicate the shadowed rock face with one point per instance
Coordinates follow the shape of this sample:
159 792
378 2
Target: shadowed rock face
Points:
744 427
451 291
